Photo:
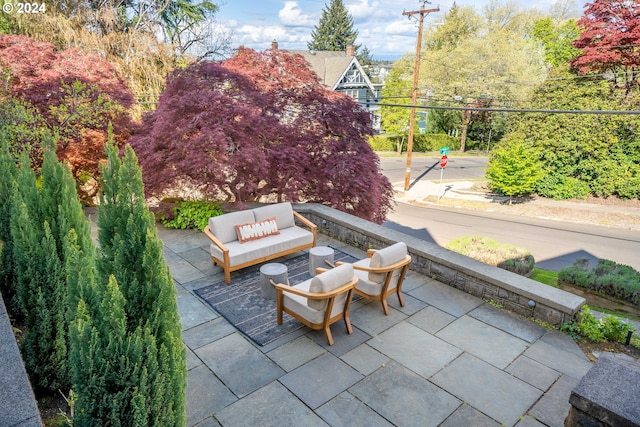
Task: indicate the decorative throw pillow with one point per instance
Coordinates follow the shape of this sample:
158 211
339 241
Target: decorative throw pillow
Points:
257 230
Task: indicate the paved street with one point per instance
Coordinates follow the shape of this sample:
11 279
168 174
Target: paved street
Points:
554 244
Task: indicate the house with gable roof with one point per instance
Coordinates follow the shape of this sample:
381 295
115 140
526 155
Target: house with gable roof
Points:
342 72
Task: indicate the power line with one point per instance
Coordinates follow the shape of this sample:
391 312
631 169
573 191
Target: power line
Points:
518 110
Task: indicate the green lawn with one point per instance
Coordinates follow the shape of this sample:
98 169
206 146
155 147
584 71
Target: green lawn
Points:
547 277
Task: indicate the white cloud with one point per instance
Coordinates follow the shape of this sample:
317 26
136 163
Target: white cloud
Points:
362 10
401 27
291 15
260 37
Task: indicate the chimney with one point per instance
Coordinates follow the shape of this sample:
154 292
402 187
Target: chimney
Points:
274 44
351 50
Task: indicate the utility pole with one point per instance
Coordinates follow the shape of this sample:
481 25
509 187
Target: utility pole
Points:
414 94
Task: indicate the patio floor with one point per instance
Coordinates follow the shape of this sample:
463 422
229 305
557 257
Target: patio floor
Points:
446 358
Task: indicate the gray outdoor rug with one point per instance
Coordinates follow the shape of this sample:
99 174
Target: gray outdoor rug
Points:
242 304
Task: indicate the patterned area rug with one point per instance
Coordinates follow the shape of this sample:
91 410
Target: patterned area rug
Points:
242 304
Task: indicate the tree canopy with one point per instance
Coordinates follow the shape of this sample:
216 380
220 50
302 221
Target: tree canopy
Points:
557 39
76 94
587 154
610 40
482 60
397 90
144 40
335 30
261 126
489 54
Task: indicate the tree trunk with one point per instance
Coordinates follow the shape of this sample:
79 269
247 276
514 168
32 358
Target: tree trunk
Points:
399 145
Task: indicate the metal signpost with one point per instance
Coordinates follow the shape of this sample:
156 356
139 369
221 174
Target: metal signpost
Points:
443 164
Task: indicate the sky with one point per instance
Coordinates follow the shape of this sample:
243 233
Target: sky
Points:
380 24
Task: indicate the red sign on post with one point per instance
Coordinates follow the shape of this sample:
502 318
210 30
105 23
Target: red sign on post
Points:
443 161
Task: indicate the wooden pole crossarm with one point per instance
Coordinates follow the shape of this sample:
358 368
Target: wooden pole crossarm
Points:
414 93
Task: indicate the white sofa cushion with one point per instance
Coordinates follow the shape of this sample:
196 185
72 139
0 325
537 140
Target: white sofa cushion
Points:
224 226
282 211
240 253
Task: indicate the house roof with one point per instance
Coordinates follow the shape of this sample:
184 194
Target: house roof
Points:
329 65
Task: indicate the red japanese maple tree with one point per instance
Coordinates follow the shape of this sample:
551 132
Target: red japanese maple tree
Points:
261 126
610 40
78 94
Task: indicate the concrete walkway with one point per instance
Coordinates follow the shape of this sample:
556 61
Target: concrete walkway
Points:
446 358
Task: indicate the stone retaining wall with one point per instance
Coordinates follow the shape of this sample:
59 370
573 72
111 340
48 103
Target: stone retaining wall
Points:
516 293
18 405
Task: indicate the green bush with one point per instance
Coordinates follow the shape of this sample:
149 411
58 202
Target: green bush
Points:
562 188
608 277
484 249
608 328
629 189
384 142
589 326
192 214
422 143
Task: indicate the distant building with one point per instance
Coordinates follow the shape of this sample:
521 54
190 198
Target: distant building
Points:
342 72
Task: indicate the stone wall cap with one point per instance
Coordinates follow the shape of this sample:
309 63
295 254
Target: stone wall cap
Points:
609 390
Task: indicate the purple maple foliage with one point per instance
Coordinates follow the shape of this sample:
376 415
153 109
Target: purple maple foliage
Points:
78 94
261 126
610 39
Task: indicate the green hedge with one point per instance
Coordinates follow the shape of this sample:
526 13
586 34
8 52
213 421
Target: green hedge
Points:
421 143
609 278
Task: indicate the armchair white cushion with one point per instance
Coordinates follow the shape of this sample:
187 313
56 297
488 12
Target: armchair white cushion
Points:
320 301
382 273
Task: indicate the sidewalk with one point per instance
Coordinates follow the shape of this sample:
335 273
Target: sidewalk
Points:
445 359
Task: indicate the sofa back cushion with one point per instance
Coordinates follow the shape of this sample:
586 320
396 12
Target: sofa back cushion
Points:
224 226
386 257
328 281
282 211
257 230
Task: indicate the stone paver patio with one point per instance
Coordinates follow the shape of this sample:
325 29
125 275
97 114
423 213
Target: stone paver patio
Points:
446 358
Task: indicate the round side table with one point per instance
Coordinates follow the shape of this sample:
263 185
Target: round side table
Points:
318 256
272 271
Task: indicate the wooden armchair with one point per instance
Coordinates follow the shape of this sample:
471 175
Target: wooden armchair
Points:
382 273
320 301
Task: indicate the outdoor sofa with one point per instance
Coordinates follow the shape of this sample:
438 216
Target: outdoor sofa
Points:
248 237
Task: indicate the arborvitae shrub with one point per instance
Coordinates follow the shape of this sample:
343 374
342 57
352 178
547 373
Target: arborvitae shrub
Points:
8 171
44 210
128 360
